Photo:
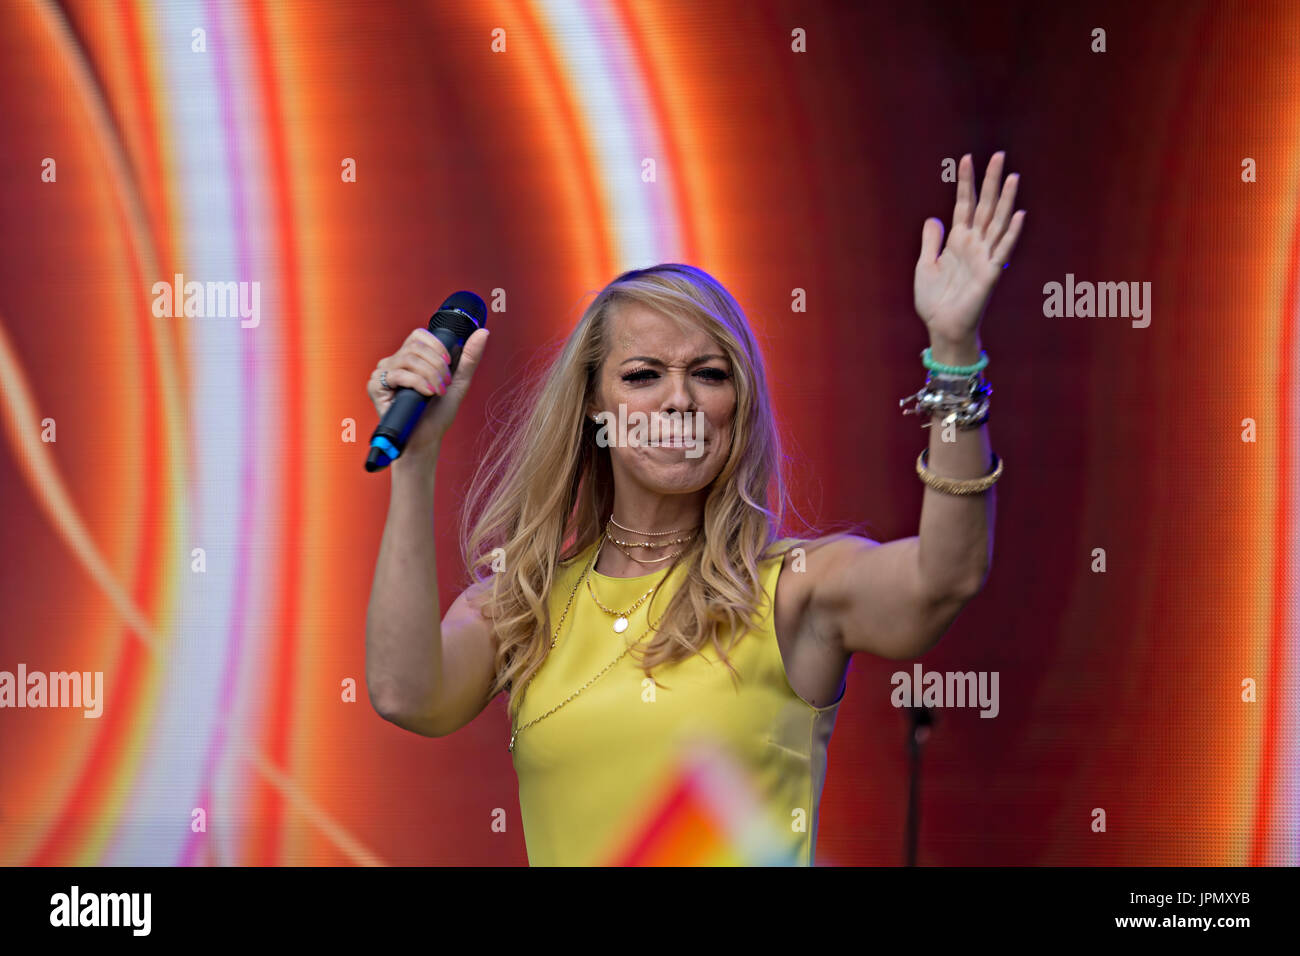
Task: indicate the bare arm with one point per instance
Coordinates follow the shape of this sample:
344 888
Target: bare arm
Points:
897 599
403 634
424 673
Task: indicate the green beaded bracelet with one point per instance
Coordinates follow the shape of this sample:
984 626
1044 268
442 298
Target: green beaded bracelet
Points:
928 361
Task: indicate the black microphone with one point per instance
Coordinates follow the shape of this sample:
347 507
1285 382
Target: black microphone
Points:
453 323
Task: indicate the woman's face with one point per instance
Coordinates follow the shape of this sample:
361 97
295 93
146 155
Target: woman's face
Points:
660 368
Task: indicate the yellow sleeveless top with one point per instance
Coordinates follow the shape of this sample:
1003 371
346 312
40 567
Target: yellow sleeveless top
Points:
594 773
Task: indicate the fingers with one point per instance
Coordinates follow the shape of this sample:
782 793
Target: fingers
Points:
965 206
400 376
473 350
403 376
1002 214
428 345
422 364
1002 252
423 354
989 192
931 240
470 356
432 370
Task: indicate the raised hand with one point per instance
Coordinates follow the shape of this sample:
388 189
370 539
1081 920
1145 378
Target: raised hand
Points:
952 287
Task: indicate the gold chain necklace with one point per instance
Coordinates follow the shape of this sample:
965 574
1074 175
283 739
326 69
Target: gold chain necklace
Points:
647 534
666 557
647 544
515 733
620 623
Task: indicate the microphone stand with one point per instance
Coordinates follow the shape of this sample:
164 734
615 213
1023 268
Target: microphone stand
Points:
920 722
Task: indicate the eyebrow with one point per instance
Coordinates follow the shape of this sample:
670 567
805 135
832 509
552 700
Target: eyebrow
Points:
654 361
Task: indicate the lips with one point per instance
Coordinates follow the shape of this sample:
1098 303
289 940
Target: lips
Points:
676 441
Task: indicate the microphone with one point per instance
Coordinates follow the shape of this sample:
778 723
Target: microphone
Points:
453 323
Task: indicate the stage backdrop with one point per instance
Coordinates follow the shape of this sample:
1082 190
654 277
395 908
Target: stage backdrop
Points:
185 508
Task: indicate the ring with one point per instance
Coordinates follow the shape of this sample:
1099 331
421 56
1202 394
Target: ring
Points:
383 379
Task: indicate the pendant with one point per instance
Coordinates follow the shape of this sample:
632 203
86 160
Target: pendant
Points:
511 748
620 625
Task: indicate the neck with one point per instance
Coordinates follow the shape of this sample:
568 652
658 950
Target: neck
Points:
654 514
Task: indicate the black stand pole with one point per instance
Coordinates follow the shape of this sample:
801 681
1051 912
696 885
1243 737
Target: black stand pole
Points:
920 721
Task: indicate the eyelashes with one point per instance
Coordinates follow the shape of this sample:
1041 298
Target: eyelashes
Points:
712 375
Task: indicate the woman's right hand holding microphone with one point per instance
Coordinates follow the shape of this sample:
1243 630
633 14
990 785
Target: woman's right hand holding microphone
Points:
422 363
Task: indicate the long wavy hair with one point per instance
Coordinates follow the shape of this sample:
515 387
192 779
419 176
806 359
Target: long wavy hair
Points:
543 490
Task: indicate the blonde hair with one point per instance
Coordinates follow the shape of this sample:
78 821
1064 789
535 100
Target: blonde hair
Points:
543 490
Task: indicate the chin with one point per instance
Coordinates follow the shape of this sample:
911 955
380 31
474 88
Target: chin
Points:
669 472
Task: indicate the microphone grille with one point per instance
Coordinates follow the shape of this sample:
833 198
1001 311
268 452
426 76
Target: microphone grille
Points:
462 313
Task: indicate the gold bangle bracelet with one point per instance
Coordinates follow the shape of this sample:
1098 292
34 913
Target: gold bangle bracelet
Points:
956 486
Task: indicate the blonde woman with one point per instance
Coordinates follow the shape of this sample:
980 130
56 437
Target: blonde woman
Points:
629 589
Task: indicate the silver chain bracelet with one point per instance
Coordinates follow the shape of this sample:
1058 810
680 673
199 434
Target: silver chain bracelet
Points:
963 400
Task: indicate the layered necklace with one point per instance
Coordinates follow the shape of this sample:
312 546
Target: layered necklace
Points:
621 617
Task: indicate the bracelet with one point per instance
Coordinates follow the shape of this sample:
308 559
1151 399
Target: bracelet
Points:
927 359
967 419
967 406
956 486
961 385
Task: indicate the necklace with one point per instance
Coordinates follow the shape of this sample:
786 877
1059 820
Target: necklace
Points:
647 544
555 639
666 557
648 534
624 545
515 733
620 622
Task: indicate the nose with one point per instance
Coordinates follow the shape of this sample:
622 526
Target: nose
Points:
678 397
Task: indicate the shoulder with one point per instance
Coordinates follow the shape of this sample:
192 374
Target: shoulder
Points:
806 563
801 555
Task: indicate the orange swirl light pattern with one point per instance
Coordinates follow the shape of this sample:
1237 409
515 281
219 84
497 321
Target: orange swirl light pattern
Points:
187 509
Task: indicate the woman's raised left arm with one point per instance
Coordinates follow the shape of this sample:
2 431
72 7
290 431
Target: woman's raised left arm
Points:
898 598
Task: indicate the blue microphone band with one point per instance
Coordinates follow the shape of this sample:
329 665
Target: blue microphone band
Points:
384 445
